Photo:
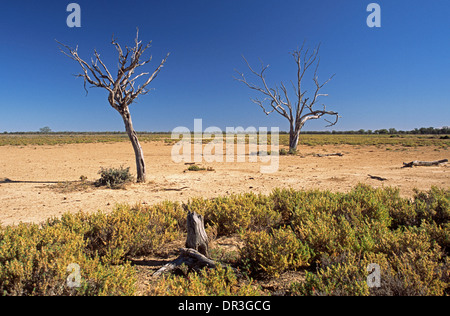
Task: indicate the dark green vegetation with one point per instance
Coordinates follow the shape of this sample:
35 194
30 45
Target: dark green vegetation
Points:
332 237
114 178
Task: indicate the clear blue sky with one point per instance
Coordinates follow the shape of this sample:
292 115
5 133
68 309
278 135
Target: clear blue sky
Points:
394 76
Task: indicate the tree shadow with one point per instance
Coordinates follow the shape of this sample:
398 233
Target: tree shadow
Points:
7 180
151 263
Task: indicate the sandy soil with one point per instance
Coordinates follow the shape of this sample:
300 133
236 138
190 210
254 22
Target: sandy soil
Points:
28 175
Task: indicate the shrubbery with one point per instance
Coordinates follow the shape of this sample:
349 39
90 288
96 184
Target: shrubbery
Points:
272 253
114 177
333 236
217 282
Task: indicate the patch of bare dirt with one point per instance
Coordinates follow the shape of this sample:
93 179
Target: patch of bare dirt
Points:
29 175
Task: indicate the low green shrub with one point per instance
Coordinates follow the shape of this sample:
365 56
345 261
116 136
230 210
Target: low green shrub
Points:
338 275
34 261
195 168
114 178
237 212
126 231
336 234
272 253
208 282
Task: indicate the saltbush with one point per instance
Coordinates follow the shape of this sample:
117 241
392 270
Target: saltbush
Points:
208 282
114 178
336 234
233 213
270 254
126 231
34 261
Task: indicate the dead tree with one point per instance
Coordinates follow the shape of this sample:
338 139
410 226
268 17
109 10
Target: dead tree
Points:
123 89
297 111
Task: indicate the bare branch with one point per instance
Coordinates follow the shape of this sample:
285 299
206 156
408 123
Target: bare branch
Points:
122 89
277 103
278 96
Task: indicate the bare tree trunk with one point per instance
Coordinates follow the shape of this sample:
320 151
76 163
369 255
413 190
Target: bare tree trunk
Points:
140 163
294 135
122 89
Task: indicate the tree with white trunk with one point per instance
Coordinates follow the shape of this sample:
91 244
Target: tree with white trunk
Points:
276 99
123 89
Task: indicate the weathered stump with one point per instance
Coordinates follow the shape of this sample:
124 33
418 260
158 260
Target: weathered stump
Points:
196 253
196 236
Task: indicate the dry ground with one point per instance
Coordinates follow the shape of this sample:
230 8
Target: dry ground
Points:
29 175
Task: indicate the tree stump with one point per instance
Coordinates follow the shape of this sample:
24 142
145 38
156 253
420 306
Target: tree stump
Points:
196 253
196 236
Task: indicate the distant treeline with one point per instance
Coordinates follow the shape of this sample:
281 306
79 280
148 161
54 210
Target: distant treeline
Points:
391 131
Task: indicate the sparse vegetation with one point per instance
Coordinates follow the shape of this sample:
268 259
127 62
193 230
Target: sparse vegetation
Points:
195 168
332 237
198 168
114 178
403 140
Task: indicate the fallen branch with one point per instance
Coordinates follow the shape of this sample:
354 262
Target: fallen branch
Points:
377 178
417 163
328 155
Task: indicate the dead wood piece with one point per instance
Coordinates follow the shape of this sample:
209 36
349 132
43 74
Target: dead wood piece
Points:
417 163
195 255
191 258
175 189
196 236
377 178
328 155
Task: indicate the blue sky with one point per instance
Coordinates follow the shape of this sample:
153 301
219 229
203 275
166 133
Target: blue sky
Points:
393 76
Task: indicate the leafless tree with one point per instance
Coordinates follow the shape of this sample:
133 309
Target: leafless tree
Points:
124 88
297 111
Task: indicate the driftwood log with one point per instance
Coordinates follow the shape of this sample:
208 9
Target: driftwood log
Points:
328 155
417 163
196 253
